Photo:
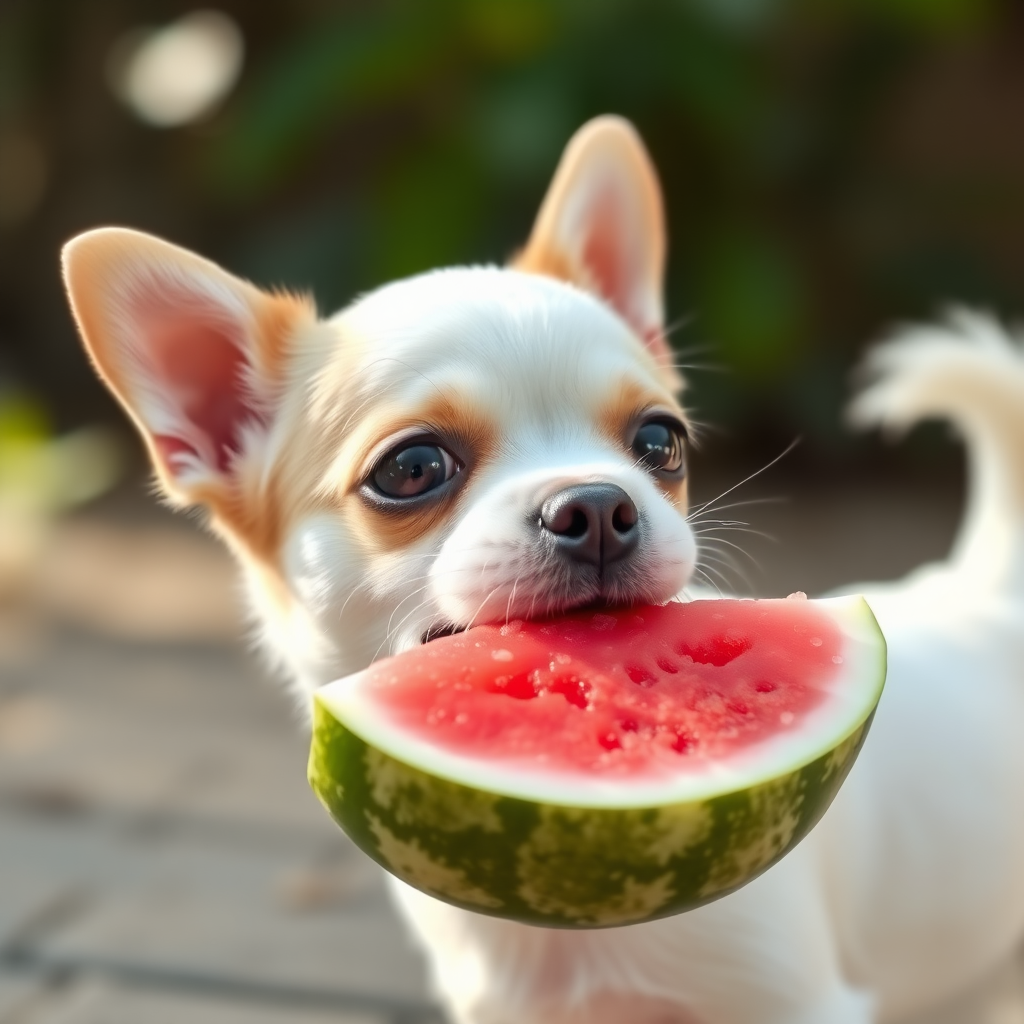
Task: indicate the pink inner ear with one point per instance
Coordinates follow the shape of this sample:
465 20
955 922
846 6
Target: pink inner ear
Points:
603 256
201 367
608 263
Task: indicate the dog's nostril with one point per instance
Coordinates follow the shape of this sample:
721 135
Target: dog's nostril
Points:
578 525
593 523
624 517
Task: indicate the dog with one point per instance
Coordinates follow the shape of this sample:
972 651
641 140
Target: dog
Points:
476 444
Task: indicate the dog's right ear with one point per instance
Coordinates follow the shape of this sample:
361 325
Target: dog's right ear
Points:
194 355
602 227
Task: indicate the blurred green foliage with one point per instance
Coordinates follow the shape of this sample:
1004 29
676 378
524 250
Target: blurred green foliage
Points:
42 476
829 167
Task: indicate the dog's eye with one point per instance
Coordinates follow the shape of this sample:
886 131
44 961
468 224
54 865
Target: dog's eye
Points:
414 470
659 445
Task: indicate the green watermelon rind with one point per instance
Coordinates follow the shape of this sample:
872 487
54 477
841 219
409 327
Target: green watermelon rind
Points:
557 865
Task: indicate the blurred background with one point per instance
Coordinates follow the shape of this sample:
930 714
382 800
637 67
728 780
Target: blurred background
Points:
830 169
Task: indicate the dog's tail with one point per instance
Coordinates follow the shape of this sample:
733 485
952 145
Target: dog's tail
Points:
971 372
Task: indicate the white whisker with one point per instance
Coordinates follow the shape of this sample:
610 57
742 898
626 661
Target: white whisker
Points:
707 505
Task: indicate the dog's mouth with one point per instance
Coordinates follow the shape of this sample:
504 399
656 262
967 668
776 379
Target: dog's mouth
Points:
439 630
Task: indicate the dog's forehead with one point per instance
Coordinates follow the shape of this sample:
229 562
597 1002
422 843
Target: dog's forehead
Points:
498 335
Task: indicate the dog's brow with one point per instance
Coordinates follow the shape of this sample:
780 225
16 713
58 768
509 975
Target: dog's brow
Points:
627 400
446 415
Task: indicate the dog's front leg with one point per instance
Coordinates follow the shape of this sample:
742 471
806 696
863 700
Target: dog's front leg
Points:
764 955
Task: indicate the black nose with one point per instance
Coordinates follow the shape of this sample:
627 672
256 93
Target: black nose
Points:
593 523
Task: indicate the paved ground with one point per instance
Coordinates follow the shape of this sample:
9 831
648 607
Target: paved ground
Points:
161 859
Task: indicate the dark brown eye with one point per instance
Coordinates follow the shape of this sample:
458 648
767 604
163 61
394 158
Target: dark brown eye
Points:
659 446
413 470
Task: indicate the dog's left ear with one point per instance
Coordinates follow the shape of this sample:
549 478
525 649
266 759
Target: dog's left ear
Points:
195 355
602 227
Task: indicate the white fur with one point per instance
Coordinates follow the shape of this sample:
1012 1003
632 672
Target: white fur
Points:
911 887
533 353
913 884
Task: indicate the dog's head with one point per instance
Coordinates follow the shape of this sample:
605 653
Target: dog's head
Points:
464 446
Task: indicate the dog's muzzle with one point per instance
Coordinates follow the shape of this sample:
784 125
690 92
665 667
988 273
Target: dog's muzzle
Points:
591 524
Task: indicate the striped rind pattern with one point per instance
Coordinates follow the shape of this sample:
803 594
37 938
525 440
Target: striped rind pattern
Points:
562 866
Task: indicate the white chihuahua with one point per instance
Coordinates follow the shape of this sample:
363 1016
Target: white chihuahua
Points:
480 443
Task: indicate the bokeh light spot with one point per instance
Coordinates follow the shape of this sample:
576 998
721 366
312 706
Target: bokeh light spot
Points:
178 74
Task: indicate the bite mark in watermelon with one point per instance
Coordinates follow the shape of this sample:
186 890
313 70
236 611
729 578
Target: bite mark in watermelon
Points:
605 767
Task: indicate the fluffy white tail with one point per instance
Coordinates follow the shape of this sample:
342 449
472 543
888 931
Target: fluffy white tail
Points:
971 372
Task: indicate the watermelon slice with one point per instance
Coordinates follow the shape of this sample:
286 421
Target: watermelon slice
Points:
607 767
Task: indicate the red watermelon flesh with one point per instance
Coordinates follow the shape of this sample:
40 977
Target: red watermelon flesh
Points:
629 693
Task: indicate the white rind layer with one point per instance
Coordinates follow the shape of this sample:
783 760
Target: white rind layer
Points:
855 691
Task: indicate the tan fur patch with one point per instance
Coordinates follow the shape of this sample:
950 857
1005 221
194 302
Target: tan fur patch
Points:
379 531
471 431
678 492
539 257
629 400
251 510
279 317
299 484
619 412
